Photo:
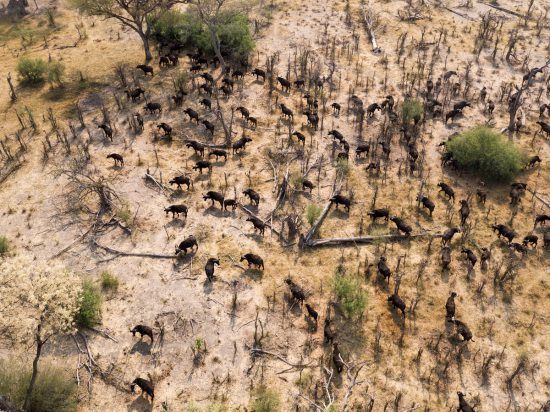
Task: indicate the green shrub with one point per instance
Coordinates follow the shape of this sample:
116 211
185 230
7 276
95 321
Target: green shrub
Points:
56 71
296 180
349 292
109 282
4 245
412 110
265 400
54 389
211 407
32 71
89 313
312 213
181 81
125 215
486 153
186 30
342 166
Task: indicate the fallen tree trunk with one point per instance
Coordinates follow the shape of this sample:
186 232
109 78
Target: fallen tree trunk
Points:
150 178
504 10
137 254
368 18
280 199
464 16
540 199
316 225
304 240
258 352
367 239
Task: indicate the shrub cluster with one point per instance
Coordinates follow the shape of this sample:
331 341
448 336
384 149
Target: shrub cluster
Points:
349 292
412 110
89 313
312 213
265 400
109 282
54 389
487 153
35 71
186 30
4 245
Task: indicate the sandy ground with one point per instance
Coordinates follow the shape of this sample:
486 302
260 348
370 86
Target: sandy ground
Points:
175 294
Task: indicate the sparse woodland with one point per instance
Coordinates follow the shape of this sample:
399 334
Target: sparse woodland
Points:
226 205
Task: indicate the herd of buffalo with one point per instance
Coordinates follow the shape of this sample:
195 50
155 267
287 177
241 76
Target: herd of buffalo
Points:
206 152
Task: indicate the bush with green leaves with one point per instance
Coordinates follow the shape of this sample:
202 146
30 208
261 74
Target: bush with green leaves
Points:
412 110
265 399
109 282
89 313
56 71
343 167
312 213
296 180
349 292
185 29
32 71
4 245
487 153
211 407
54 389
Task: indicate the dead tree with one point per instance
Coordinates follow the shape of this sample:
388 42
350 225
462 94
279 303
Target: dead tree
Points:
370 20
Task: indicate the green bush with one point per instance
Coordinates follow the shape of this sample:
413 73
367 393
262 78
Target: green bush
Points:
342 166
4 245
109 282
89 313
181 81
186 30
211 407
54 389
265 400
487 153
412 110
125 215
296 180
32 71
349 292
312 213
56 71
